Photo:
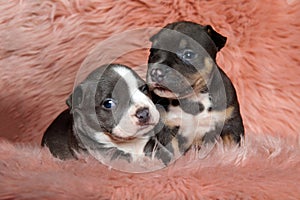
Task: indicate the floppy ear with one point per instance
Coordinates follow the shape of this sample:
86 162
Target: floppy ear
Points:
170 26
75 98
218 39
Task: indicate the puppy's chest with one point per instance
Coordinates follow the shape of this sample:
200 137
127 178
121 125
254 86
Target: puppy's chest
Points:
194 116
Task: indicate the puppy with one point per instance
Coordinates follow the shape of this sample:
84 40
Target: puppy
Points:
110 116
198 97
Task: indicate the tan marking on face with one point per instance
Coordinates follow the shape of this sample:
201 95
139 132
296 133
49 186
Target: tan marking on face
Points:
183 43
208 67
199 80
208 63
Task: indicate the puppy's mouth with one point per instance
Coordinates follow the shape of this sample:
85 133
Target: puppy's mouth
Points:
143 126
119 139
124 139
163 91
145 129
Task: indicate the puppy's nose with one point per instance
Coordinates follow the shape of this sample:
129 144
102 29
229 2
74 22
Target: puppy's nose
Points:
143 115
157 75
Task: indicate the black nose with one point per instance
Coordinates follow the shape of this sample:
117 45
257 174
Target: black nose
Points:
157 75
143 115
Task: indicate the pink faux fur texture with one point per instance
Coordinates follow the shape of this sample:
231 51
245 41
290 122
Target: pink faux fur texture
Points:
265 168
42 45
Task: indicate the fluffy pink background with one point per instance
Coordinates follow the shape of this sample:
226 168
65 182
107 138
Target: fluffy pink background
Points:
42 45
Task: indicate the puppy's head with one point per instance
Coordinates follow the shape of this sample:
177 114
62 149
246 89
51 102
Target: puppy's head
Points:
182 58
113 100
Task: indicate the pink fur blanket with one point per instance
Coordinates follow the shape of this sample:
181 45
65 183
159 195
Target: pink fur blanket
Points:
42 45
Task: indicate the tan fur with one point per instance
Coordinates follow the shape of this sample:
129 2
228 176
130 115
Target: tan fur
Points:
198 82
228 140
200 79
183 43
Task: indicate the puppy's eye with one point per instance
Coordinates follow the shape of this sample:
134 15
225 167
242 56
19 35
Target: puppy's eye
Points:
188 55
109 104
144 89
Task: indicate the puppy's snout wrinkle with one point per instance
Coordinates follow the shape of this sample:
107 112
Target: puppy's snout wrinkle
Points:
143 115
157 75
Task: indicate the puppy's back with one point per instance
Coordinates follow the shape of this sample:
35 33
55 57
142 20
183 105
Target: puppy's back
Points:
58 135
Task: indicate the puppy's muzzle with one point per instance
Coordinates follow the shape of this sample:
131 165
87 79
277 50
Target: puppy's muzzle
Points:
143 115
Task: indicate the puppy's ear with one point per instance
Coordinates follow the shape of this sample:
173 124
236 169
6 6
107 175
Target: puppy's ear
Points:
75 98
218 39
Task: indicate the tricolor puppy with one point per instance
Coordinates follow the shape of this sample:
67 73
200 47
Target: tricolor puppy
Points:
109 115
198 97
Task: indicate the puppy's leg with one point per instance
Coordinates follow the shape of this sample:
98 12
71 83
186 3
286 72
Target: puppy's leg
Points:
163 145
233 131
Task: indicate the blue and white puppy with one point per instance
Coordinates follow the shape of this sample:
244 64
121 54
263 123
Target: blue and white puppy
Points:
109 115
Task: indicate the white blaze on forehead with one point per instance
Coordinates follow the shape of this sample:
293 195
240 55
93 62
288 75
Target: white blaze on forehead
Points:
131 80
122 71
128 77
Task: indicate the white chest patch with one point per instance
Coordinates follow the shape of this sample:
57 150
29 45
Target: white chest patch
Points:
194 127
